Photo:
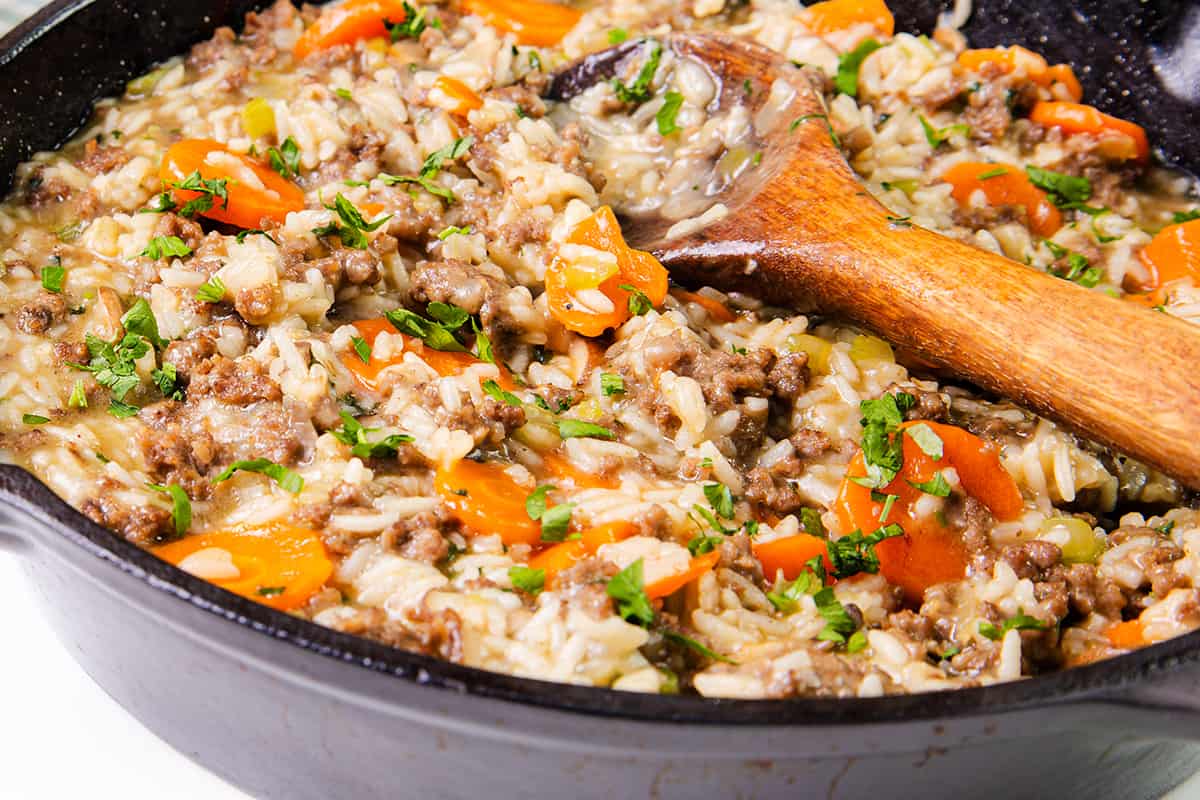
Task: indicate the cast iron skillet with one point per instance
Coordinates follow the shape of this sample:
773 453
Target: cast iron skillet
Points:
290 709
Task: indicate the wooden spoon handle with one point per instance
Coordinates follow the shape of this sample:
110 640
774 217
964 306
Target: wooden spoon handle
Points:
1118 373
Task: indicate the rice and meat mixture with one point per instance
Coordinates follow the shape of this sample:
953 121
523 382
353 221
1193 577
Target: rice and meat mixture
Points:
335 313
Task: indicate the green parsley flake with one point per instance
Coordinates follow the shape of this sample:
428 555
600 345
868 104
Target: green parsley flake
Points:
617 35
493 390
810 520
720 498
78 398
212 291
838 623
936 486
433 333
166 246
846 80
924 438
575 428
665 118
938 136
285 159
627 588
638 92
536 503
181 506
855 553
53 275
209 191
611 384
987 175
692 644
361 348
639 302
1064 190
288 480
411 27
1021 622
353 434
555 521
34 419
353 228
452 230
139 320
527 579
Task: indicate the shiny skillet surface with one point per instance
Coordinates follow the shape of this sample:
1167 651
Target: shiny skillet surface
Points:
47 98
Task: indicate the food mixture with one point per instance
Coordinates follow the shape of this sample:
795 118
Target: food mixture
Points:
336 313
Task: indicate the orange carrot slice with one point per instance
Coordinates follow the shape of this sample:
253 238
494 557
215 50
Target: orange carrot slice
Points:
347 23
929 552
1008 188
837 15
461 98
1119 139
248 205
279 565
1127 635
533 23
635 268
485 499
1019 59
790 555
559 468
1173 254
561 557
699 566
716 310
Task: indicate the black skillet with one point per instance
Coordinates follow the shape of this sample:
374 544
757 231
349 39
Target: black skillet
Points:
287 709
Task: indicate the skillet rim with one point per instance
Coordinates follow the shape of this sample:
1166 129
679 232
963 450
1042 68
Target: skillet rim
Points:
1099 681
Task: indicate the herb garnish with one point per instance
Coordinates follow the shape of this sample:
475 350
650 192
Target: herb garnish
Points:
212 291
846 80
720 498
639 302
938 136
288 480
1021 622
627 588
412 26
638 92
527 579
167 246
855 553
53 275
1065 191
361 348
181 506
434 333
353 227
432 167
611 384
209 191
665 118
883 454
285 159
353 433
575 428
692 644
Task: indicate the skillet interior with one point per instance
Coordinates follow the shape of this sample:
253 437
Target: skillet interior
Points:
48 97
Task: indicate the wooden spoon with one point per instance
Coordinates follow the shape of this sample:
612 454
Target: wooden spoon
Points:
802 229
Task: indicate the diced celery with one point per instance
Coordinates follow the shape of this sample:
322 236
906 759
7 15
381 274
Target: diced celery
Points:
258 118
817 348
145 84
870 348
1083 545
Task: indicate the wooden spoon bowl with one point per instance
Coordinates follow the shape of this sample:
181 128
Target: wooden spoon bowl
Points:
802 230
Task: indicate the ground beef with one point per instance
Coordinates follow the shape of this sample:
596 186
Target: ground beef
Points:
97 159
990 108
1032 559
41 191
259 27
348 495
422 537
526 99
172 455
929 405
221 51
738 555
41 313
583 586
987 217
456 282
343 265
1091 593
143 525
1110 180
975 522
71 353
314 516
490 422
235 382
788 376
807 444
171 224
257 304
652 521
188 354
528 227
774 495
723 376
363 147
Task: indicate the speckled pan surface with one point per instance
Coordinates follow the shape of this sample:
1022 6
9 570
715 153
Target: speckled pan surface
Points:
62 546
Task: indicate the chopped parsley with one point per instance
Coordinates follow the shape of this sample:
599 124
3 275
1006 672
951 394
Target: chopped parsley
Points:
212 291
555 521
78 398
720 498
883 453
353 433
344 94
483 344
639 302
1166 527
434 333
114 366
938 136
846 80
786 598
907 185
857 642
527 579
665 118
638 91
139 319
452 230
167 381
164 202
828 126
288 480
1180 217
240 238
936 486
810 520
536 503
611 383
575 428
692 644
1065 191
412 26
166 246
121 410
432 167
855 553
181 506
617 35
839 625
34 419
53 275
285 159
493 390
987 175
361 348
353 228
1021 622
712 520
626 587
209 191
702 543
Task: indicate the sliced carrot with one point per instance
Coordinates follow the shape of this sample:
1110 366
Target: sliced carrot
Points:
1011 188
533 23
461 98
1119 139
561 557
838 15
487 500
699 566
1127 635
716 310
559 468
248 205
347 23
1063 74
635 268
280 565
929 552
791 555
443 362
1172 255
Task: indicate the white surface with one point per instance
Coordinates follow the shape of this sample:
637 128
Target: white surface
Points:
63 737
